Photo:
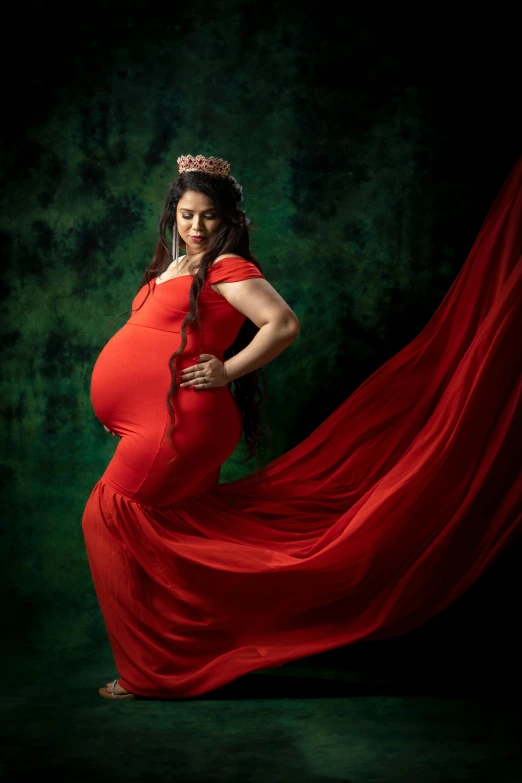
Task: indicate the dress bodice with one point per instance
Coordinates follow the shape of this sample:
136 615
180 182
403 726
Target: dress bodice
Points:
165 305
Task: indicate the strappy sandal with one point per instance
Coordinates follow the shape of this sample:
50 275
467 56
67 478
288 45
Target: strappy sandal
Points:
106 694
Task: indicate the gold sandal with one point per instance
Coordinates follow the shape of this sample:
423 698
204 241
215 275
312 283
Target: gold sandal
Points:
109 694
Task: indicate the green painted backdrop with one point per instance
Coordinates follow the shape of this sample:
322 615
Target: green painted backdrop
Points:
366 189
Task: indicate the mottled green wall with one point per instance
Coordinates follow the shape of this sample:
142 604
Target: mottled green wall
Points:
364 194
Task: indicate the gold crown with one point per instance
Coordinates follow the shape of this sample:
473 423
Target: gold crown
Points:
212 165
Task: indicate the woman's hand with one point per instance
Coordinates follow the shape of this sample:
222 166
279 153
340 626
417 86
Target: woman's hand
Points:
108 430
206 374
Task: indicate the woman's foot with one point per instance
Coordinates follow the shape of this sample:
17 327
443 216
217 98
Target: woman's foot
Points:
113 690
118 690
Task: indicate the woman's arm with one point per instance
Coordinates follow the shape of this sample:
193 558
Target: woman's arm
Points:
277 322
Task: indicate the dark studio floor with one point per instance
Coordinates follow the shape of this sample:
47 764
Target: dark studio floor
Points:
375 712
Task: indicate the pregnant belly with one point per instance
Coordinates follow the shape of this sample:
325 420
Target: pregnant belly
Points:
131 377
129 386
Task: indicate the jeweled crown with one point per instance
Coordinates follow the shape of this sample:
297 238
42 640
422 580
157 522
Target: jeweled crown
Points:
211 165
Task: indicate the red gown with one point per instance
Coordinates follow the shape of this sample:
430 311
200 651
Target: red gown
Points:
376 521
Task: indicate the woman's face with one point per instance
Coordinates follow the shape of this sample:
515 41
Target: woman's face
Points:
197 219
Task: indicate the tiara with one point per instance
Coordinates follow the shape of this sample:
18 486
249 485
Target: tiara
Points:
212 165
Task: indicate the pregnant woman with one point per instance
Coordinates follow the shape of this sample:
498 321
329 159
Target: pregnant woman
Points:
161 383
376 521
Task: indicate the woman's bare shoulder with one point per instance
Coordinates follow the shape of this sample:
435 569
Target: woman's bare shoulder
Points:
227 255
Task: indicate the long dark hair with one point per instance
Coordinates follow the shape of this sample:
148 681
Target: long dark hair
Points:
231 236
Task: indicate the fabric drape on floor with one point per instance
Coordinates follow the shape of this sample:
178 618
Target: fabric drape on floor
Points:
379 519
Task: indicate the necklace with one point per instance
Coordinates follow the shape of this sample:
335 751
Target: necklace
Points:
176 266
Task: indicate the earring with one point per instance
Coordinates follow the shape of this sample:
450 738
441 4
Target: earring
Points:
175 245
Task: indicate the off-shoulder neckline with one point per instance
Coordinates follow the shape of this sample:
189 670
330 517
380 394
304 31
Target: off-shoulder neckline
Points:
178 277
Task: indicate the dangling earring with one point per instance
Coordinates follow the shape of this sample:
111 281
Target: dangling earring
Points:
175 245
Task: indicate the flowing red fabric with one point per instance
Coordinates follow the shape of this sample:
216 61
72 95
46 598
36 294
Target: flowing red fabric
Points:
379 519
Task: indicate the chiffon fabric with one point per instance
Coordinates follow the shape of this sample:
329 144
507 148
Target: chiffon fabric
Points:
375 522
